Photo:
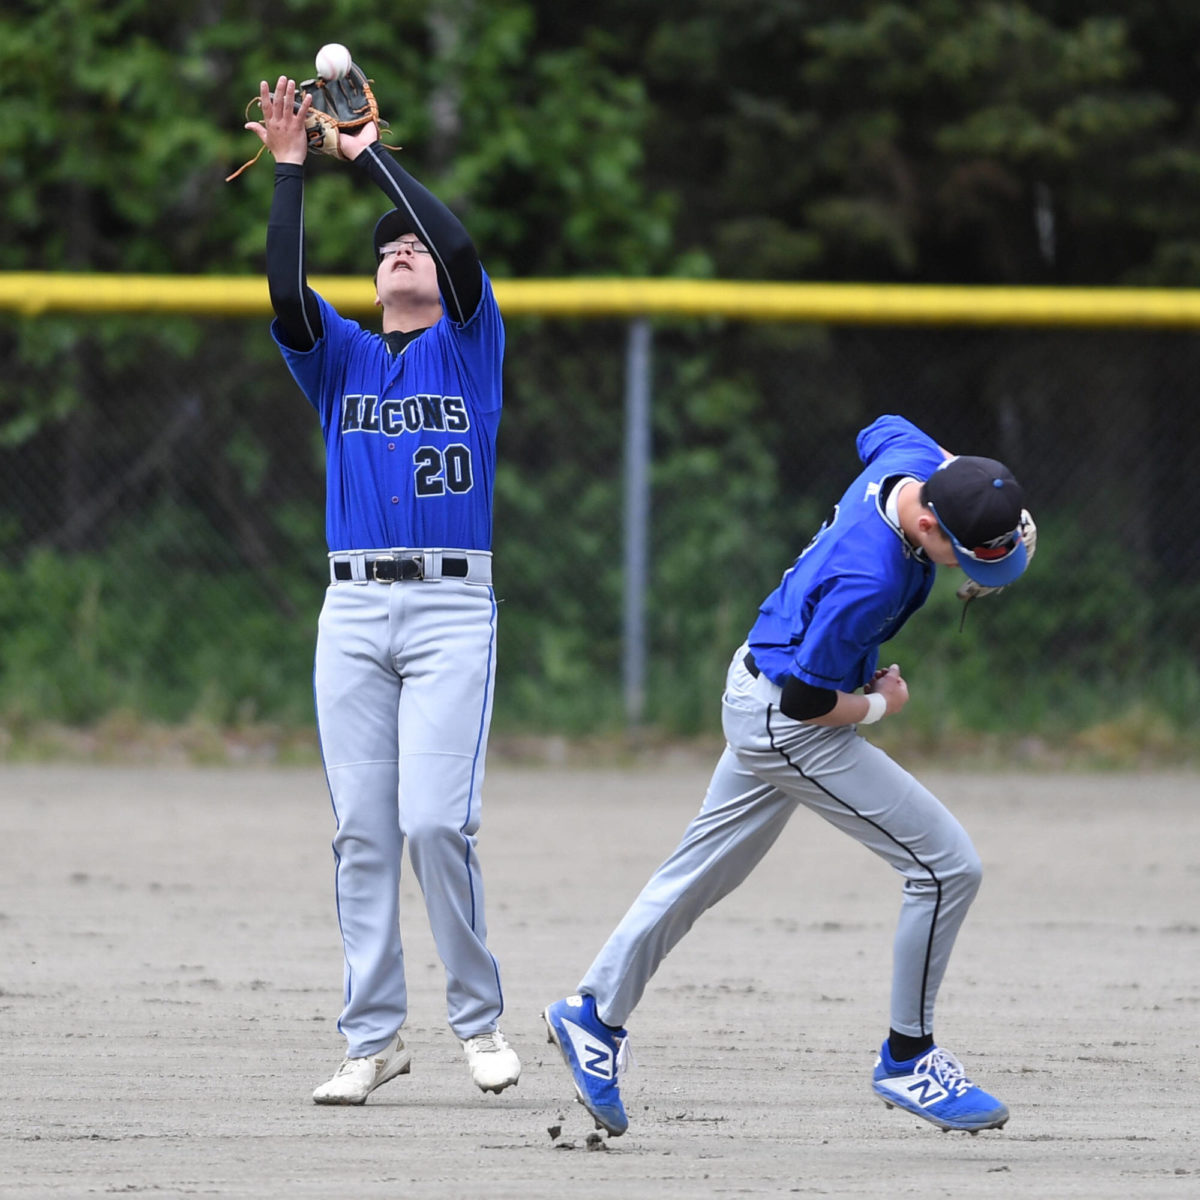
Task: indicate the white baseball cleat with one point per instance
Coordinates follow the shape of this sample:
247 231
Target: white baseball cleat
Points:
494 1063
357 1078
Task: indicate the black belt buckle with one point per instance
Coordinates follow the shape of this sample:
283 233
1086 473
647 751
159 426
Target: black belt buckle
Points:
387 568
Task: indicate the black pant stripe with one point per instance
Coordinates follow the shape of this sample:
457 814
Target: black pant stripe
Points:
890 837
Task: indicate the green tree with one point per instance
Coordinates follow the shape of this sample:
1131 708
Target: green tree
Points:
934 140
541 149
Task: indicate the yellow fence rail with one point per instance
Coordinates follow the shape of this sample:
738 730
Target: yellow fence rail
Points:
35 294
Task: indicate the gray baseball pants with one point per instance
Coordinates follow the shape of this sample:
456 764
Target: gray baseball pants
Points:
403 683
771 765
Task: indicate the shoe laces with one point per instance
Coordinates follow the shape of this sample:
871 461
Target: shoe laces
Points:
946 1069
625 1062
489 1043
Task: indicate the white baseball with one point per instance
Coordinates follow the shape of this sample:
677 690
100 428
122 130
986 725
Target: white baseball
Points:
333 61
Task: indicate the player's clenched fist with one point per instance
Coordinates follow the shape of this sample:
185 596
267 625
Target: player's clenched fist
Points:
889 683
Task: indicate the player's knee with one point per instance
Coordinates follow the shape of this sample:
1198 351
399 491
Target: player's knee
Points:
968 873
430 832
356 848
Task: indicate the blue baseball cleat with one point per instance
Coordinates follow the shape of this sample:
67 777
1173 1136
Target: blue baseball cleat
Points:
935 1088
595 1054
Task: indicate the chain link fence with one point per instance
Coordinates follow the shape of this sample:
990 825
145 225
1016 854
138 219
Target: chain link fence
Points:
161 523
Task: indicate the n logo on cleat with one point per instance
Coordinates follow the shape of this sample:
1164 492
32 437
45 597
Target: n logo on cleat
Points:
926 1091
593 1058
600 1062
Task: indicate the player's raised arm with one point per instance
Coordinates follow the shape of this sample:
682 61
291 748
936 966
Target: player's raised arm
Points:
282 133
460 276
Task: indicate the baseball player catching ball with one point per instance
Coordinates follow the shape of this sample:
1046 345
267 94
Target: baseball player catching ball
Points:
406 643
790 713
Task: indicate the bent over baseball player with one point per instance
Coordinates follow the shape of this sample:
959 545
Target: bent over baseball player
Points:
790 712
406 642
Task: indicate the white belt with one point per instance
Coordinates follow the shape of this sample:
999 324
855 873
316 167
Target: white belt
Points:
402 565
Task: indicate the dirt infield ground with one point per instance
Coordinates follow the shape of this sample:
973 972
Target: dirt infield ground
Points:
171 979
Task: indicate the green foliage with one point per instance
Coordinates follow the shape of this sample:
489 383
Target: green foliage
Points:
1073 644
128 173
86 635
162 479
922 140
845 140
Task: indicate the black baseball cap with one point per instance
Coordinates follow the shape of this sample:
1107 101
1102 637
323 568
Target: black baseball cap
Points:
389 227
978 504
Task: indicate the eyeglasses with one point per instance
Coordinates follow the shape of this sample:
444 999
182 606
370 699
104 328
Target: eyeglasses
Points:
395 248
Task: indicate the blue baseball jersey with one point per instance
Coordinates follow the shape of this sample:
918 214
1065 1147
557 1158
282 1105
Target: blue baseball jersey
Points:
410 438
858 580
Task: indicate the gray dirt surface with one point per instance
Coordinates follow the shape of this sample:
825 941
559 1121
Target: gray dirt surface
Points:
171 982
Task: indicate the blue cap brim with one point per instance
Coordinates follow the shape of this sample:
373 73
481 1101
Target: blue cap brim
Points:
994 574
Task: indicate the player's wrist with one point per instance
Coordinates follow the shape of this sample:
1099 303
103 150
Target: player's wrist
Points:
876 708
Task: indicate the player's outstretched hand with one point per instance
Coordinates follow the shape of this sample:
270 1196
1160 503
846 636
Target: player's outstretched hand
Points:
889 683
281 129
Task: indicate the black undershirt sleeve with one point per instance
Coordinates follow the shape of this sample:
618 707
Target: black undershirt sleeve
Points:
295 305
460 276
802 702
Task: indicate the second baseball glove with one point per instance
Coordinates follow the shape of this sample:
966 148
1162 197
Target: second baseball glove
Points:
338 106
970 590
